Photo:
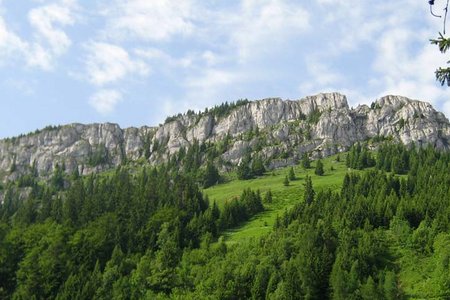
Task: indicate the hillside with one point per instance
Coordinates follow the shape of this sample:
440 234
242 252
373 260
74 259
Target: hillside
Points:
280 131
269 199
366 228
284 197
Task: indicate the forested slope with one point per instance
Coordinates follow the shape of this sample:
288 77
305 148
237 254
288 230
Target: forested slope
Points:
149 233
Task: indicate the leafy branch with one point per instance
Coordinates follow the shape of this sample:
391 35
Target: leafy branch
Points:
442 74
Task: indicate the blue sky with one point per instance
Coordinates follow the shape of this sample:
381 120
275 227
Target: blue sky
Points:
134 62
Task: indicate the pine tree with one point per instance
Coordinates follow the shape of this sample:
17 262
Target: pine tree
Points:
319 168
243 170
286 181
306 163
268 197
58 177
258 168
291 174
308 196
211 175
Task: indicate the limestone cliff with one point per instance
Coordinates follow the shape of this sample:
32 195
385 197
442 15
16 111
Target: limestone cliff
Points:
280 130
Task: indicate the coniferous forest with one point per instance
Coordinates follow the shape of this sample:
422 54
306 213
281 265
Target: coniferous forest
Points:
151 233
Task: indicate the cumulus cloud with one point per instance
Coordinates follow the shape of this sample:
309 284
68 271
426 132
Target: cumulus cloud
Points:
206 87
49 40
10 43
263 24
208 51
387 39
158 56
108 63
105 101
46 21
149 20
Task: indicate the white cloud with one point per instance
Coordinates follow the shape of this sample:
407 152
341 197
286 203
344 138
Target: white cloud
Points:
10 43
107 63
149 20
387 39
407 67
323 73
49 41
207 87
262 25
105 101
160 57
45 21
211 79
38 56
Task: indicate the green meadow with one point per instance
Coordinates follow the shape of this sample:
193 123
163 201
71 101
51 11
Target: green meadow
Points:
414 271
284 197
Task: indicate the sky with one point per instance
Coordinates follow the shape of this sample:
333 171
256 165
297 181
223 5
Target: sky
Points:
135 62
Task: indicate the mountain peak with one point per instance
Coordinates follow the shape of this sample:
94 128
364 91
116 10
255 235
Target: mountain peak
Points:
279 130
332 100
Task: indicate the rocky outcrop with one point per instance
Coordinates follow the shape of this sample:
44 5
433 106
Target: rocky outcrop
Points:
278 129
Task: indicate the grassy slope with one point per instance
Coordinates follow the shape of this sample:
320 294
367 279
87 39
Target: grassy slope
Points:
283 197
414 271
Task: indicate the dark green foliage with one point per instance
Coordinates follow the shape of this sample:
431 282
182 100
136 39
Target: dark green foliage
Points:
291 174
306 163
98 156
243 170
193 158
172 118
217 111
147 141
250 167
211 175
226 108
442 74
151 234
13 167
57 180
319 168
394 158
268 197
67 237
359 157
241 209
309 194
314 116
258 168
286 181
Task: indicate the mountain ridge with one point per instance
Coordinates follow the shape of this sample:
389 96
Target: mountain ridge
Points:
279 130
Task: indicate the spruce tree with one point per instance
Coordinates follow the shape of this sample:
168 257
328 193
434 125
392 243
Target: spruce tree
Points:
291 174
268 197
258 168
319 168
306 163
243 170
211 175
308 196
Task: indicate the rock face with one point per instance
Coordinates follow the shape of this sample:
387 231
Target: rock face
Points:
278 130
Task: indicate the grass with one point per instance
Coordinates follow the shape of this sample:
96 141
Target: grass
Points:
414 271
284 197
